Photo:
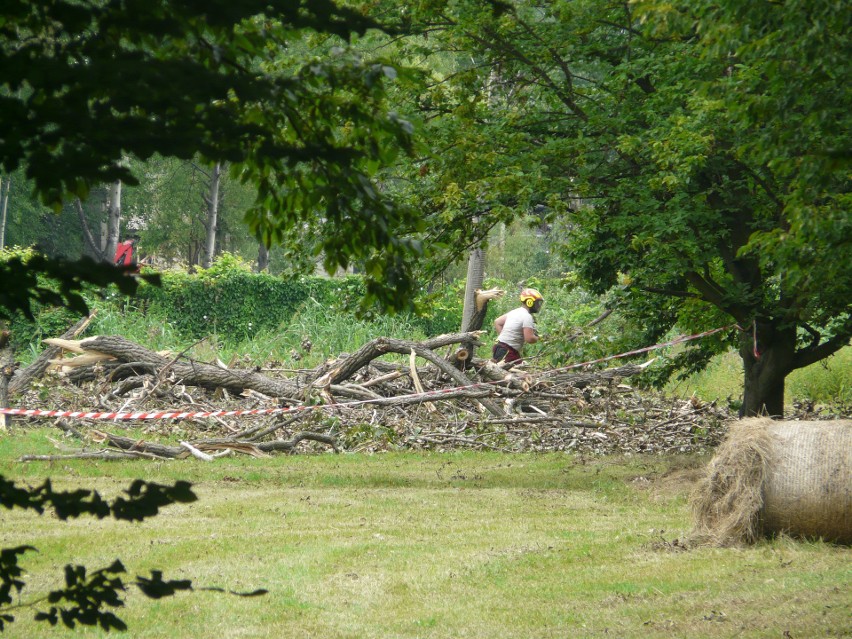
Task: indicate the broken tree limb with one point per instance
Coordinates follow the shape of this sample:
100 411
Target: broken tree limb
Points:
353 390
418 385
344 368
277 445
197 453
140 445
104 455
409 400
389 377
290 444
495 373
581 378
24 377
192 373
225 447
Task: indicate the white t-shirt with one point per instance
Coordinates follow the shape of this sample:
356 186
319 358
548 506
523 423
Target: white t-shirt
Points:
513 330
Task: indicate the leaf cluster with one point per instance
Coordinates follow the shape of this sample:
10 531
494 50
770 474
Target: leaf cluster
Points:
229 82
692 152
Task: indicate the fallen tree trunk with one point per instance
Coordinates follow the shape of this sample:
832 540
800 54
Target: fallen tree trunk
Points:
345 368
24 377
192 373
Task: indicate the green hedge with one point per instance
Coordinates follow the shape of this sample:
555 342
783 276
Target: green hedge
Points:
229 300
234 303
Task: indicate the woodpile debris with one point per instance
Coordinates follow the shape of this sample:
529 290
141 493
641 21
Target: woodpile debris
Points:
391 394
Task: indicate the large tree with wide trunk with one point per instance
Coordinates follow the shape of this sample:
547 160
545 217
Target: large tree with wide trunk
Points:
699 151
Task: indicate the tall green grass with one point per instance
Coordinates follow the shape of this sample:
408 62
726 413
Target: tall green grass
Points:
827 383
329 335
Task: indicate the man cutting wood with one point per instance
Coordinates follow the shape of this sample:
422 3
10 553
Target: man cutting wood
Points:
517 327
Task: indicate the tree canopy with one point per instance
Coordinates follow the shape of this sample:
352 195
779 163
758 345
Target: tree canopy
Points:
86 84
697 154
699 151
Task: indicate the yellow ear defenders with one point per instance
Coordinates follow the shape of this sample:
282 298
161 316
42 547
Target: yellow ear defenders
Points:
529 296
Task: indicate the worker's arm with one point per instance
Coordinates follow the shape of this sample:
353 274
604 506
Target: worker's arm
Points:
530 335
499 323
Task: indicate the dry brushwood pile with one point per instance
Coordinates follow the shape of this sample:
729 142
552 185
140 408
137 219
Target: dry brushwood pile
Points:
390 394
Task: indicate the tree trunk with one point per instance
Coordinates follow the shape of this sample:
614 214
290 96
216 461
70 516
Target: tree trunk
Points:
88 237
262 257
473 283
113 221
4 204
23 377
212 200
475 276
768 354
7 368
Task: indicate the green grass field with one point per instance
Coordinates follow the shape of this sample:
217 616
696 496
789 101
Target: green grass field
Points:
428 545
826 384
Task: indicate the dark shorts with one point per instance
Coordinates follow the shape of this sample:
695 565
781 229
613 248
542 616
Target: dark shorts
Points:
504 353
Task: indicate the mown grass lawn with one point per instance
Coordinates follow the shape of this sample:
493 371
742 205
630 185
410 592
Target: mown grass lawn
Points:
449 545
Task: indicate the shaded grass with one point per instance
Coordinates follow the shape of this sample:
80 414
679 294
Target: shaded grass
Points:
433 545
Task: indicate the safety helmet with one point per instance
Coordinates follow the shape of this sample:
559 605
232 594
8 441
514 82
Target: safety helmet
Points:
529 296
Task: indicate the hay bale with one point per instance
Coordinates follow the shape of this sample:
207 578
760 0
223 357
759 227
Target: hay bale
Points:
771 477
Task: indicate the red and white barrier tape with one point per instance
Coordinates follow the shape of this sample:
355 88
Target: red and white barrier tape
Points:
213 413
290 409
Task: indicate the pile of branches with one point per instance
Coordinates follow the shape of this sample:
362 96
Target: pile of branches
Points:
391 394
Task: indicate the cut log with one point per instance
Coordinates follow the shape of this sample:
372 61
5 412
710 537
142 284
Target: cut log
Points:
182 451
24 377
192 373
345 368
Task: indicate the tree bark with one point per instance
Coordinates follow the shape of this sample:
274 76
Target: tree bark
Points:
113 221
768 355
262 257
5 185
212 201
192 374
177 452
